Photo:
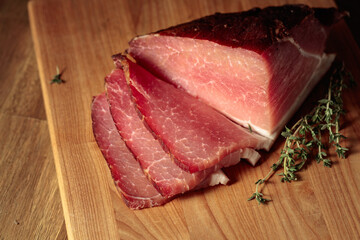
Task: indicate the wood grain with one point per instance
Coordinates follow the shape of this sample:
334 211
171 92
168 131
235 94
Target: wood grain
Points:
30 205
80 37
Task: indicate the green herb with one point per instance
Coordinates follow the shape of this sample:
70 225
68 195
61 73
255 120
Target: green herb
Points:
57 78
306 136
258 195
250 129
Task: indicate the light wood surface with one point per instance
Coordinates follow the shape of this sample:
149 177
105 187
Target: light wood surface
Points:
79 37
30 204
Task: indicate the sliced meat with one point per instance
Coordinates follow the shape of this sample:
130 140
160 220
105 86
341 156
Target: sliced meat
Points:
158 166
256 67
197 136
135 188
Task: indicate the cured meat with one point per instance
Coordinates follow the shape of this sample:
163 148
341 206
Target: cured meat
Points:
256 67
197 136
166 176
136 190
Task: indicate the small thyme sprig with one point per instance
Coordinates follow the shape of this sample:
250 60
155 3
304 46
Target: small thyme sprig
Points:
305 136
57 78
250 129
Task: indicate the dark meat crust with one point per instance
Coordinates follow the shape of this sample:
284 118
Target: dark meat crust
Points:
255 29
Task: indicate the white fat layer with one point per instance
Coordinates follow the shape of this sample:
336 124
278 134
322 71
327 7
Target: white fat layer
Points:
219 177
216 178
254 128
251 156
233 158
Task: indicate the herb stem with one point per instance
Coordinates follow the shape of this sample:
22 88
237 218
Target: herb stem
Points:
338 114
268 175
328 113
319 148
337 131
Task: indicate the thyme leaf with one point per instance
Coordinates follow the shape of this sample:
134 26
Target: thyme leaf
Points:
250 129
57 78
258 195
305 138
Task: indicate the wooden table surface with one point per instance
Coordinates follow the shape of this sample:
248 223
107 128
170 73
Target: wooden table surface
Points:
30 205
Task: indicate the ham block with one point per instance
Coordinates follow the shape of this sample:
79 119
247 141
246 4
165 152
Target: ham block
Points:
256 67
135 188
167 177
197 136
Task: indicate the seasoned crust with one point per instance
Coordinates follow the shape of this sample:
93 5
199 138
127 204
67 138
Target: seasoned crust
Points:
255 29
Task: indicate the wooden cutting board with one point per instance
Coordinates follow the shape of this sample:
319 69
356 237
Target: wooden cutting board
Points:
79 37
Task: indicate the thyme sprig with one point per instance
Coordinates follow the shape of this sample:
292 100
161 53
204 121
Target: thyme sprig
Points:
305 137
57 78
250 129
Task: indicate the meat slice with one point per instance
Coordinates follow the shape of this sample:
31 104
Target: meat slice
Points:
197 136
256 67
135 188
158 166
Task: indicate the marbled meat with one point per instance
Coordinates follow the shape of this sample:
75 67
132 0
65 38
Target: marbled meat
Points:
256 67
158 166
135 188
197 136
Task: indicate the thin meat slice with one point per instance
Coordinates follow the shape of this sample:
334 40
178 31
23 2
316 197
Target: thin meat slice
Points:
256 67
158 166
197 136
135 188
